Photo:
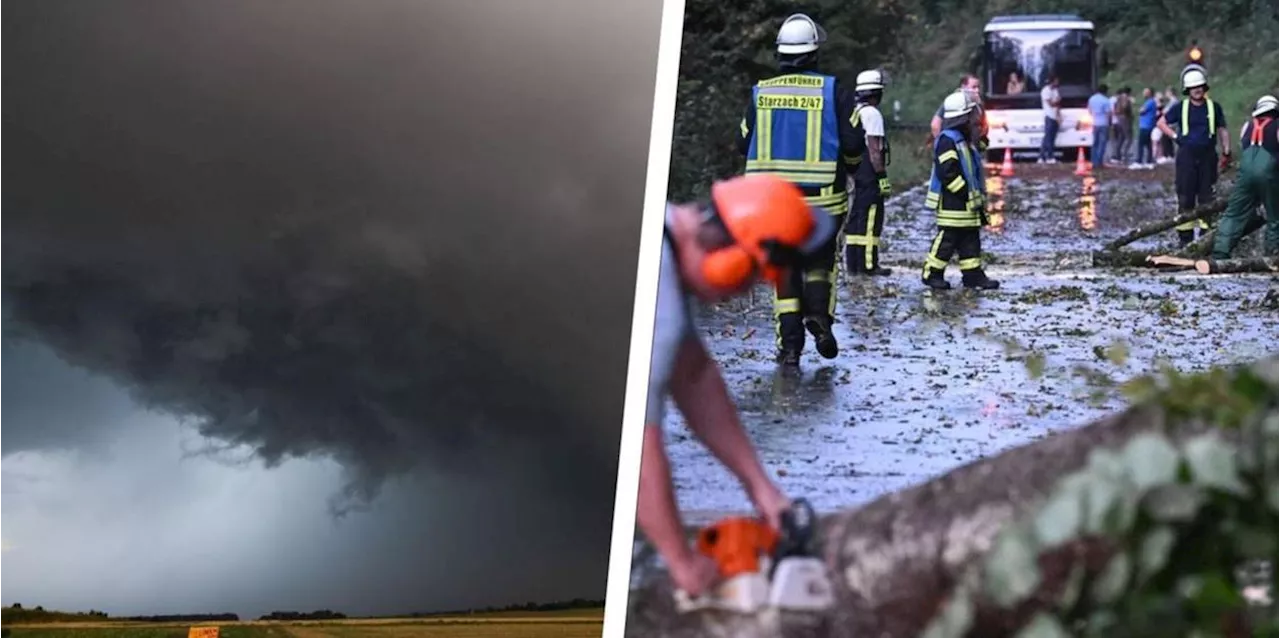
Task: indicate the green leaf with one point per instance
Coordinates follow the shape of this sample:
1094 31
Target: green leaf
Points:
1189 586
1151 459
1101 497
1060 518
1153 553
1035 363
1254 542
1174 503
1252 387
1122 515
1118 353
1072 587
1113 580
1011 569
1216 595
1107 464
1100 622
1043 625
1139 389
1213 464
955 619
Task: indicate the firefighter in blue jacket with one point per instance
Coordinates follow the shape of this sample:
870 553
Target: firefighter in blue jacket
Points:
957 197
798 127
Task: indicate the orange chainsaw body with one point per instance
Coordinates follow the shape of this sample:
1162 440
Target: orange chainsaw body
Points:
736 544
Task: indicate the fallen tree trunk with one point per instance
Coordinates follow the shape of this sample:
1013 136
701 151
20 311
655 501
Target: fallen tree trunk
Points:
1201 247
1248 264
1138 259
1182 259
1200 212
895 561
1121 259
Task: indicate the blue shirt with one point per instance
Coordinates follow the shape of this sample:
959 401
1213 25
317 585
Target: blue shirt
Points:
1147 116
1100 109
1198 123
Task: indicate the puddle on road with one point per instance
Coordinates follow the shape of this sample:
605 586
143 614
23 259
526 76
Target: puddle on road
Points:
924 382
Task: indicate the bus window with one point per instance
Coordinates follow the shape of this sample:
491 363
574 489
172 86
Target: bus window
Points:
1020 61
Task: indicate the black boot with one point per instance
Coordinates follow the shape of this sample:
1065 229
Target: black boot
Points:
791 343
936 281
977 278
1186 237
823 340
874 272
856 265
789 357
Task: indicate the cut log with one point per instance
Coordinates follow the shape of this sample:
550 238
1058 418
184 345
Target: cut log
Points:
1248 264
1139 259
1200 212
895 561
1172 260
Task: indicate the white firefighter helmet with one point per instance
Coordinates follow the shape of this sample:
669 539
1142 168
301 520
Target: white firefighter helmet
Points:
1264 104
958 104
799 34
872 80
1192 79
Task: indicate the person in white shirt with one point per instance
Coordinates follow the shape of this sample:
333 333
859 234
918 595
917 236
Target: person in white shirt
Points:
870 178
1051 104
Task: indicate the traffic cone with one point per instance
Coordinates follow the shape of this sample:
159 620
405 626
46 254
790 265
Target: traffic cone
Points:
1082 167
1006 169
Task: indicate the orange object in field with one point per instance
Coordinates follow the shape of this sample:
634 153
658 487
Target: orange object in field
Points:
735 544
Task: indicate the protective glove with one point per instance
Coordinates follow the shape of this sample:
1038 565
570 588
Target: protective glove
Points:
1223 162
886 187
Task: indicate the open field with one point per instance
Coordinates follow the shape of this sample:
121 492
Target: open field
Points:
579 623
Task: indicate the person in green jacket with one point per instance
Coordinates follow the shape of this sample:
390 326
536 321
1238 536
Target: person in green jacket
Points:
1257 182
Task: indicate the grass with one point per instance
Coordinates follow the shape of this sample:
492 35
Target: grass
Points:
569 624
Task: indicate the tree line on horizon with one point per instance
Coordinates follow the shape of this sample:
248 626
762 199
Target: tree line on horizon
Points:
16 613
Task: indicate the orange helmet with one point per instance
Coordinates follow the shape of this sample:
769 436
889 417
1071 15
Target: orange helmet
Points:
771 225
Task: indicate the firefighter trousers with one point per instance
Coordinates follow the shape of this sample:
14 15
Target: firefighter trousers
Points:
963 243
866 224
1195 170
808 291
1257 184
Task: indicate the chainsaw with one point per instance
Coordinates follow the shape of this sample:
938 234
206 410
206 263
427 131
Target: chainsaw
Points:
762 567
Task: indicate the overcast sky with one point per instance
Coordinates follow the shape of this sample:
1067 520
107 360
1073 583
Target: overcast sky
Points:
317 304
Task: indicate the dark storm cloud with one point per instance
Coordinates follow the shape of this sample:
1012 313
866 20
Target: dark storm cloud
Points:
400 234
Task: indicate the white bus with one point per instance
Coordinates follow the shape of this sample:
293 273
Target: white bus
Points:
1019 54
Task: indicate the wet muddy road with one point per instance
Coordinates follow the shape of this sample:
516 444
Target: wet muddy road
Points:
928 381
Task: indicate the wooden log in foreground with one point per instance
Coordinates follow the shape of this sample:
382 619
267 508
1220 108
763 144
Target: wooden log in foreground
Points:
1147 230
895 561
1248 264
